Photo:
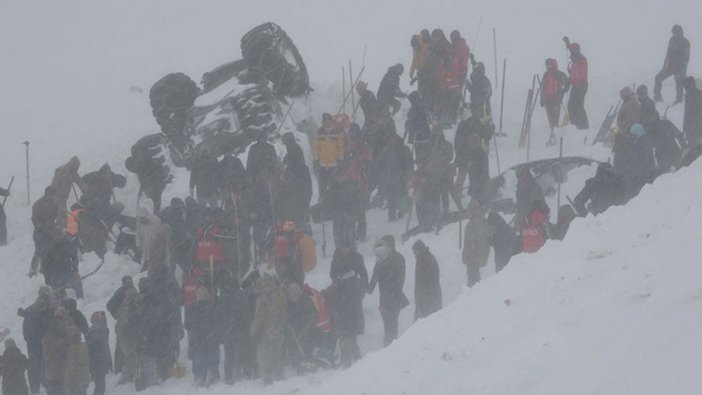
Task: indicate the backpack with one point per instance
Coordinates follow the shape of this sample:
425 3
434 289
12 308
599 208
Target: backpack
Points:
307 253
207 246
550 86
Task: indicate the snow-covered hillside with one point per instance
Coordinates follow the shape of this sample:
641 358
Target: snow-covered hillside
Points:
613 309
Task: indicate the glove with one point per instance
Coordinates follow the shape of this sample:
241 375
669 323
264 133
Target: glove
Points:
20 312
566 39
32 273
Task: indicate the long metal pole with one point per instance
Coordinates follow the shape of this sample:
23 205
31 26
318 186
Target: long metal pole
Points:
502 98
343 88
353 97
26 155
494 50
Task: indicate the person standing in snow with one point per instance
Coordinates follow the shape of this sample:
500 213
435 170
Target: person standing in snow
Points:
369 106
13 364
34 326
395 168
648 112
480 89
296 192
117 309
471 158
64 178
629 112
692 120
476 242
389 90
578 71
204 177
675 64
44 217
427 284
349 283
3 219
328 148
204 347
268 327
99 351
554 86
389 275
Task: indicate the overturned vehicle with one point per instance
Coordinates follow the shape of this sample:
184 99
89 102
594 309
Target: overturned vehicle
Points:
234 105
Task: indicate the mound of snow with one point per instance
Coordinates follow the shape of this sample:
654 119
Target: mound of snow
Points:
612 309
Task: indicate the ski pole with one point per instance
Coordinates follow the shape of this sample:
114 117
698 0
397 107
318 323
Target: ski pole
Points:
324 240
26 155
4 199
477 33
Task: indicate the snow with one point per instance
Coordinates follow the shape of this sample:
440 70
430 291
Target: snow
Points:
612 309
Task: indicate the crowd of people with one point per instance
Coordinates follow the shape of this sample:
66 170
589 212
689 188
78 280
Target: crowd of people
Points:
225 267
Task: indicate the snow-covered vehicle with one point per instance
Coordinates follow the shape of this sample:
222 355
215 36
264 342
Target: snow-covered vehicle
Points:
235 104
571 171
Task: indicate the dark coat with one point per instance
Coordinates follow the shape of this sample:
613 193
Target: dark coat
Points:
395 165
204 176
61 259
417 123
389 275
349 281
678 53
601 192
634 159
231 173
261 154
668 142
200 323
369 106
647 111
44 213
296 192
427 285
99 350
13 365
389 87
692 120
480 92
37 318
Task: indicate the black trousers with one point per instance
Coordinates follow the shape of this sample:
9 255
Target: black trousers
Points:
576 106
391 324
679 75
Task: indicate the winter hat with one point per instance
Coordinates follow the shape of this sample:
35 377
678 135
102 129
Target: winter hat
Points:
45 291
642 91
361 85
419 246
575 47
389 241
177 202
626 92
677 29
99 318
637 130
288 138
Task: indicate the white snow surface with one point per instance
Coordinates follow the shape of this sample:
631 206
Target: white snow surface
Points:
612 309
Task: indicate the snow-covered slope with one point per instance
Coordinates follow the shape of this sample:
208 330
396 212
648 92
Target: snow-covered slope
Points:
608 311
613 309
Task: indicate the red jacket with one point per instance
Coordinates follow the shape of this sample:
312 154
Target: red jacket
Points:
323 318
359 157
577 69
534 233
460 53
208 245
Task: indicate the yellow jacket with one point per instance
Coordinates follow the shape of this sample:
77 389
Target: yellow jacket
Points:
329 147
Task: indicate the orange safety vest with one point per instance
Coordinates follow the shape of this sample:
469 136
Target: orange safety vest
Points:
72 225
